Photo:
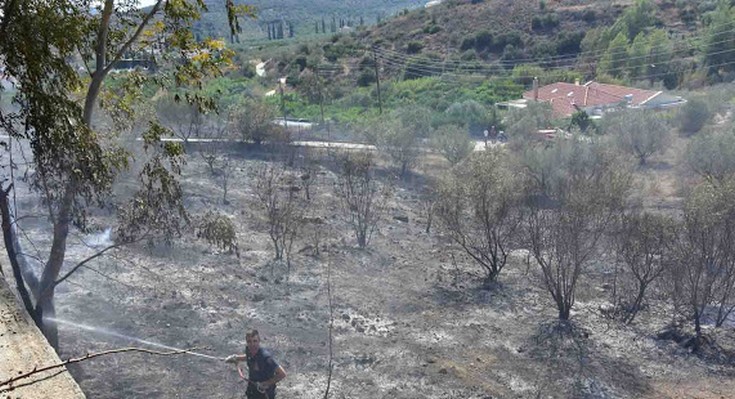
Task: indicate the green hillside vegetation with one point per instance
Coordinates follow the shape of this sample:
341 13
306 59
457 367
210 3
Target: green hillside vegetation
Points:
484 52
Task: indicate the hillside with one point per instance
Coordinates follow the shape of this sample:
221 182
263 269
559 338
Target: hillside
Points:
302 14
488 51
469 30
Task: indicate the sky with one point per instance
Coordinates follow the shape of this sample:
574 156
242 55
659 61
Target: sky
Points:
146 3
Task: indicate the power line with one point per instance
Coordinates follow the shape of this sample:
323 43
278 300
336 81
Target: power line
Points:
490 68
483 79
516 61
438 69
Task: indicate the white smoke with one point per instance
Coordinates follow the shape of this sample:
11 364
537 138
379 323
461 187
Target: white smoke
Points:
102 239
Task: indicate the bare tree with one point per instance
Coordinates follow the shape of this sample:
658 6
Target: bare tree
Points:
576 191
185 119
309 172
283 212
429 207
479 207
225 171
363 198
219 131
705 269
644 244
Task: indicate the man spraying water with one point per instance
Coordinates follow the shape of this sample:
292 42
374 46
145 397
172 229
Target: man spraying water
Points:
263 371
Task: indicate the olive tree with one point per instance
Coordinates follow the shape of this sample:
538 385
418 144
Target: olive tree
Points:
253 120
639 133
576 190
479 205
712 155
453 143
523 124
397 136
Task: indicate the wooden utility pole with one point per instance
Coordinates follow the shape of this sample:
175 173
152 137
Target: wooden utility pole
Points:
377 80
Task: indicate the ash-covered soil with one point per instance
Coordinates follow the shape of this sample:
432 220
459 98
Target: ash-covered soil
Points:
409 322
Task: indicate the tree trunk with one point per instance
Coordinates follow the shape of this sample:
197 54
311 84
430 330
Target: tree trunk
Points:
636 304
46 313
94 89
9 239
564 313
697 330
45 296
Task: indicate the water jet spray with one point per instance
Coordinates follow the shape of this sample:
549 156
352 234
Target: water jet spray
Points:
103 331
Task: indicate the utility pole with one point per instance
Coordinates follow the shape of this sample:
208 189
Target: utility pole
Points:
282 82
377 79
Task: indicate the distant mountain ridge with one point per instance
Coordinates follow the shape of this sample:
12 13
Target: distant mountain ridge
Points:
303 15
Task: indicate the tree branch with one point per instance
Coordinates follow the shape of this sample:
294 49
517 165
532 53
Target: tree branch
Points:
98 254
84 61
88 356
82 263
101 50
133 38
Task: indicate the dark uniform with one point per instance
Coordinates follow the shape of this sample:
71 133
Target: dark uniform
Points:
261 367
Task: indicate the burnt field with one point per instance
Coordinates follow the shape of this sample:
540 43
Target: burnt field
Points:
411 315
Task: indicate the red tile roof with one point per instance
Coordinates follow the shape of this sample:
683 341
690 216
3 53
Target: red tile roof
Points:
564 96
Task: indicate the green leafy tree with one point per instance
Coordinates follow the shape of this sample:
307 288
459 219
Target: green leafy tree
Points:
582 120
635 19
416 118
75 164
468 113
693 116
614 60
660 53
315 89
523 124
638 53
720 40
398 141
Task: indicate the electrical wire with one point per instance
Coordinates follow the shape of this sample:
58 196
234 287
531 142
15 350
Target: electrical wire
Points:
594 53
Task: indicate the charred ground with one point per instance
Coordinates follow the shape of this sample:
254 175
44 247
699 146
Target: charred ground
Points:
411 317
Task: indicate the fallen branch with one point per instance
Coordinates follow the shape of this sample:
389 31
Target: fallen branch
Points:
88 356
